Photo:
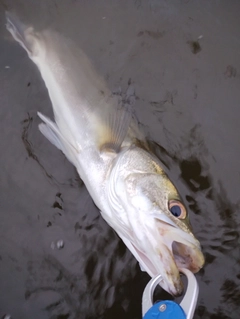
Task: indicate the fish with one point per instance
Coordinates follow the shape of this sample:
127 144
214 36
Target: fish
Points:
100 136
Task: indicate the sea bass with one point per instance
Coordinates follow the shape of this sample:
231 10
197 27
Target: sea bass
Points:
98 134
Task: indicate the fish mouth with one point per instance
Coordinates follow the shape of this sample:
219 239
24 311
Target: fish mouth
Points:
182 250
175 250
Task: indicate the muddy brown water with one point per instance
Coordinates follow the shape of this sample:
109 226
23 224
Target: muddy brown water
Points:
183 59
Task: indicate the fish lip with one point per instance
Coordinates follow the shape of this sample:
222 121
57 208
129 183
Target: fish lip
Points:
171 281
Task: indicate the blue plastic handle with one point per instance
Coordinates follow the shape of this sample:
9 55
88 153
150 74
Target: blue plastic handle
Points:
165 309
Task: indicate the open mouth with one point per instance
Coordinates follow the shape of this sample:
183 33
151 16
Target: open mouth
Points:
183 256
176 250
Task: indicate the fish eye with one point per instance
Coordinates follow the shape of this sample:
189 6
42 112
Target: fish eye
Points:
177 209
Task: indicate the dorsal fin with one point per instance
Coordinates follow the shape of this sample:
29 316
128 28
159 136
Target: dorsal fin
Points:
114 126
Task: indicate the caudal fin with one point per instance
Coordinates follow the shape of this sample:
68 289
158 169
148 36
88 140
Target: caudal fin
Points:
18 31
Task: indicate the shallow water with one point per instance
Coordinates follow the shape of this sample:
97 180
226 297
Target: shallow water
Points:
183 59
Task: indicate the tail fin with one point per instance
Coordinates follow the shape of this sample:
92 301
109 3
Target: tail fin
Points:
18 31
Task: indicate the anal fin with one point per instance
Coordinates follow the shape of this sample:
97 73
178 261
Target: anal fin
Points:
50 135
50 130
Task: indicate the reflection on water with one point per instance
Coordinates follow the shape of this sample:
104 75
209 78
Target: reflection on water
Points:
187 103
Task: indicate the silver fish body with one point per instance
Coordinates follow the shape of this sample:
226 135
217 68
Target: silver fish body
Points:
100 137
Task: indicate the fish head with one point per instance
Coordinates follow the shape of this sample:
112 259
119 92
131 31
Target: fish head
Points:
159 231
176 246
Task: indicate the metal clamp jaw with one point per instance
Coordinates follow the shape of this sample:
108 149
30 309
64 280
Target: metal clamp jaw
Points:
169 309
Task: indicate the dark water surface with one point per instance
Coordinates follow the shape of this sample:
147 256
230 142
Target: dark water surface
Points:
183 58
